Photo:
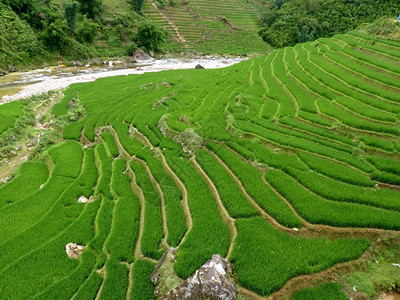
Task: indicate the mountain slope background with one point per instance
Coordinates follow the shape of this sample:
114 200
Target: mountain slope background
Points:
33 32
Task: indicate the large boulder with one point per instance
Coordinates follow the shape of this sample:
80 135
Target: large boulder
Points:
212 281
141 56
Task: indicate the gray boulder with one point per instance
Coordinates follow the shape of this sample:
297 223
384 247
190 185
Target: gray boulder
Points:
199 66
141 56
212 281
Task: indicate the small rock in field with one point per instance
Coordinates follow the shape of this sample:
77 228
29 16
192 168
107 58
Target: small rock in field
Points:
74 250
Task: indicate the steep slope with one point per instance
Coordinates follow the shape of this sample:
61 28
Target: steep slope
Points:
227 26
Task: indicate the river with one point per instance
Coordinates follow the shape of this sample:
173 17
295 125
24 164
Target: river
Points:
15 86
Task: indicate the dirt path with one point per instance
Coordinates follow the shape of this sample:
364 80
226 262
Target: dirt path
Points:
249 295
180 38
228 220
130 282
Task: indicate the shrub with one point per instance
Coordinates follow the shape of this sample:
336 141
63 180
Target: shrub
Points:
150 37
86 31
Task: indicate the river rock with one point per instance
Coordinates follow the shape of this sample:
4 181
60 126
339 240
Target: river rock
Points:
199 66
212 281
74 250
70 103
3 72
141 56
95 62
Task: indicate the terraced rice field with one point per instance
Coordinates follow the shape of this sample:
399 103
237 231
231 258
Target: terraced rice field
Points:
287 165
222 27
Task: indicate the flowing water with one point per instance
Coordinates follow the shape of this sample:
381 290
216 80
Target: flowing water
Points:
25 84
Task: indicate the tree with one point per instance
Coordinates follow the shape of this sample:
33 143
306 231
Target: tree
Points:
71 10
137 4
54 35
87 31
308 30
150 37
91 7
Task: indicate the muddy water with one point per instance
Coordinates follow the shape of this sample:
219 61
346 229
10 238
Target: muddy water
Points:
389 296
23 85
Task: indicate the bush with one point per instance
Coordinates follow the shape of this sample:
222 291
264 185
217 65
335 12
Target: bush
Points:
137 4
71 10
151 37
86 31
131 48
54 35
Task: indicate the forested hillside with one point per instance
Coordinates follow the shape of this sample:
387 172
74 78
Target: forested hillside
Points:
32 32
288 22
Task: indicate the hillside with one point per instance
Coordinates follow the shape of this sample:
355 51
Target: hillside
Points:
213 27
287 165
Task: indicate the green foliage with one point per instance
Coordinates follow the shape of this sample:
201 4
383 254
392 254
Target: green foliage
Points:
293 21
124 229
137 4
150 37
287 130
18 42
131 48
90 7
86 31
71 10
172 196
252 181
54 35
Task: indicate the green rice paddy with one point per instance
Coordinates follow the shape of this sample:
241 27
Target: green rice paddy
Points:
263 162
